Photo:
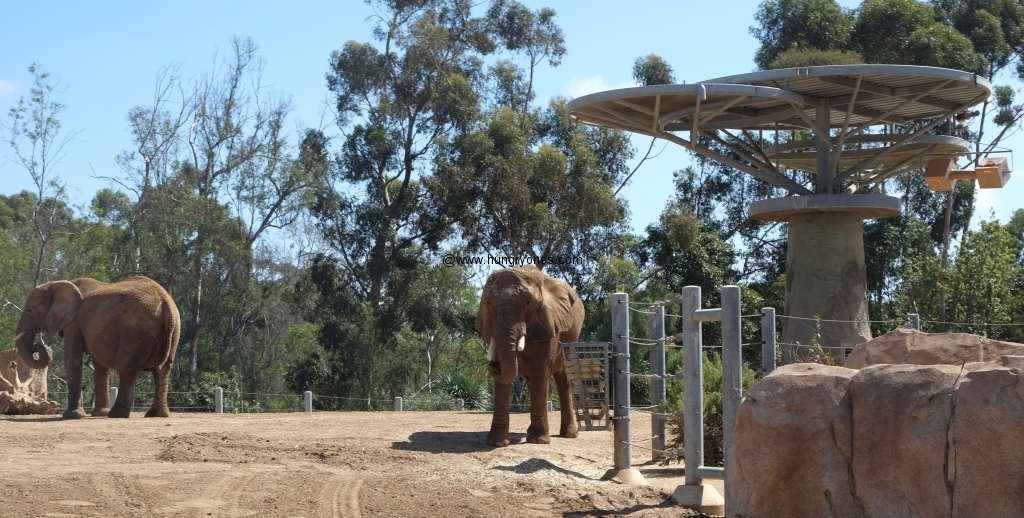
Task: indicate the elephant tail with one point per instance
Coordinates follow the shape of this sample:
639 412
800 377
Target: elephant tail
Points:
172 328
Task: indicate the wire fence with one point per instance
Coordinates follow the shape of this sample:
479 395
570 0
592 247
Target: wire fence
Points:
259 402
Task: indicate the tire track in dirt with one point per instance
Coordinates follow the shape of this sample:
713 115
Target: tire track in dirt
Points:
344 500
229 491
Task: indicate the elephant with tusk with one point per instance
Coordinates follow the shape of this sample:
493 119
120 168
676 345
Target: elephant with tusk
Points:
523 315
130 326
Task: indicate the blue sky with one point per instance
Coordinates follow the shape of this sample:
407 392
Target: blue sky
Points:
106 59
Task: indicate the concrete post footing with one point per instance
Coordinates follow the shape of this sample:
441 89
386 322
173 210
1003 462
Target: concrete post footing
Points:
625 476
702 498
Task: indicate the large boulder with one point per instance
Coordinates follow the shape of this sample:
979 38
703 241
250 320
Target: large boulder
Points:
792 449
901 414
887 440
914 347
988 430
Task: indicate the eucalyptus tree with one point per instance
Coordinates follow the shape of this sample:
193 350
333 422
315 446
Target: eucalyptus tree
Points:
784 25
34 135
397 100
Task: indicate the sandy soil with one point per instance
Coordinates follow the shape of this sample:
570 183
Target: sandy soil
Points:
325 464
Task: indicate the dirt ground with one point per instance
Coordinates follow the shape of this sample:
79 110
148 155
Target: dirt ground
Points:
324 464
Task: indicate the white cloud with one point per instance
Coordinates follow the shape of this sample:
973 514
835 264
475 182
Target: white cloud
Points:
7 87
580 86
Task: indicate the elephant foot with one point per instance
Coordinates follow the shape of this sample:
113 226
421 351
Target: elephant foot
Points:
538 439
100 412
77 413
569 433
120 412
497 441
158 412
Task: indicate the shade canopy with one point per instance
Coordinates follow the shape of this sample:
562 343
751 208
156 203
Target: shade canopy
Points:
838 104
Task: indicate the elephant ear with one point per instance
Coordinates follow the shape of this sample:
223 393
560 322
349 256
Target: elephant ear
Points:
65 300
483 321
555 315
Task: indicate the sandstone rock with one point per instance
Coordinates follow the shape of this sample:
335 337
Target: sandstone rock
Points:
792 449
37 377
988 431
908 346
901 416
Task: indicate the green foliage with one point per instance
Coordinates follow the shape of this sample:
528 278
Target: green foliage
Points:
652 69
800 57
474 391
787 24
713 412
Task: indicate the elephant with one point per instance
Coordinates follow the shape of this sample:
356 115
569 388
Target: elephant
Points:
130 326
523 315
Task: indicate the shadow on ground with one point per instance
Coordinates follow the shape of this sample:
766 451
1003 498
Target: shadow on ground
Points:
531 466
451 442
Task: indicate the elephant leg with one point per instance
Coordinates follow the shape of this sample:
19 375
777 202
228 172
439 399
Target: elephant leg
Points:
102 406
73 352
123 405
569 428
160 379
498 436
539 382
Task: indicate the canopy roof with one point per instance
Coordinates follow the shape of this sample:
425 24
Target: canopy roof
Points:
852 98
879 94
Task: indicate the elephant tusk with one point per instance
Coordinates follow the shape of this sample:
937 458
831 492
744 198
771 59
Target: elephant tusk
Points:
521 344
490 351
18 337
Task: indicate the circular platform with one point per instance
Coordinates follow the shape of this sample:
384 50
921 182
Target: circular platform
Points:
760 100
803 155
726 119
868 206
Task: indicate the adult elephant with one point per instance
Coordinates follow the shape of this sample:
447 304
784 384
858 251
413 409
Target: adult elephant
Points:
524 314
129 326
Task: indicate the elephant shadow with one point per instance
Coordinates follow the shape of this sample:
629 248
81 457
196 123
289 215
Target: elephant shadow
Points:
534 465
450 442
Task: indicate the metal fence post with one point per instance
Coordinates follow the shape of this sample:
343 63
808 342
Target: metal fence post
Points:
693 386
768 339
622 470
915 320
218 400
659 432
732 370
307 401
398 404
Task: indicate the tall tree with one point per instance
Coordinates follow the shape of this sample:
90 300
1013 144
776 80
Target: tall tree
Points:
792 24
34 135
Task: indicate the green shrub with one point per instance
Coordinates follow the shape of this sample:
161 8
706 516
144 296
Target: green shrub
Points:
457 385
713 423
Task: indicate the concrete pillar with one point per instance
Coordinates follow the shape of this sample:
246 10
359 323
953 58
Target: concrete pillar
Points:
656 331
551 406
768 339
459 404
623 472
826 279
113 396
398 404
218 400
693 387
915 321
307 401
732 370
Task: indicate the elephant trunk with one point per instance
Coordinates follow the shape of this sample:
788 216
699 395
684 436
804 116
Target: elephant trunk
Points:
512 341
27 347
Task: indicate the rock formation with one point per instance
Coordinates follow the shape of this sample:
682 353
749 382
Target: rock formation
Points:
22 389
940 439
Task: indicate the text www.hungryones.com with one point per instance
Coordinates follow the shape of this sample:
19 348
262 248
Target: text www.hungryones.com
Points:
508 260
